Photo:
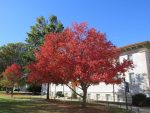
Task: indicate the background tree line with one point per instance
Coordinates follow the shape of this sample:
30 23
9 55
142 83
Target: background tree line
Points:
23 53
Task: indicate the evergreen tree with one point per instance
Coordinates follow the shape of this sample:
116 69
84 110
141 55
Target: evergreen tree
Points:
38 31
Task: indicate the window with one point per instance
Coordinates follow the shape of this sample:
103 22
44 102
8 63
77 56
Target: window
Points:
118 98
89 96
131 78
108 97
130 57
97 96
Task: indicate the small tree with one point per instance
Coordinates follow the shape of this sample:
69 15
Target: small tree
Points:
12 75
38 75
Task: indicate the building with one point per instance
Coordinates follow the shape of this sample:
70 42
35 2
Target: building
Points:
138 79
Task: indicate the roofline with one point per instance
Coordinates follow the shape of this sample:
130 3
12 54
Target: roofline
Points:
145 44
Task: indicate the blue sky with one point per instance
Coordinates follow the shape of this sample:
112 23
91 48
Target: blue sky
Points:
123 21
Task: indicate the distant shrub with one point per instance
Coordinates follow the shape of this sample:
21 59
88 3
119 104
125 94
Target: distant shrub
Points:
139 99
59 94
2 88
148 101
36 90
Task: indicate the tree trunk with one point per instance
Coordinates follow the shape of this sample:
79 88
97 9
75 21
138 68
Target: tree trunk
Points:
7 90
50 91
33 90
55 96
47 96
12 92
18 89
84 97
113 93
74 95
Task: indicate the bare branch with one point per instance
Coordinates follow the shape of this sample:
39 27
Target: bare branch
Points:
74 91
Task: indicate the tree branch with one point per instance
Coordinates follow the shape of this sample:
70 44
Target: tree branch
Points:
88 85
74 90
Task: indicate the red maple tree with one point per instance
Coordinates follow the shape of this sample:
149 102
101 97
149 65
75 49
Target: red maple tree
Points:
80 55
12 74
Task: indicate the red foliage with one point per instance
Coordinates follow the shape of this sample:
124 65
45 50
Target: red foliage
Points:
78 54
13 73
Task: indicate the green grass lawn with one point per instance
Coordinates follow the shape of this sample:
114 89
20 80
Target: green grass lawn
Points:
36 104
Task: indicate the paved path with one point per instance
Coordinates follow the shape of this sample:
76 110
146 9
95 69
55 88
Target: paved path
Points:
133 108
144 110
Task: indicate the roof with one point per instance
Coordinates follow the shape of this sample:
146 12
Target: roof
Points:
145 44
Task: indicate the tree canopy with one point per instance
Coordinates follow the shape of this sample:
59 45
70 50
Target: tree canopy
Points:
12 75
12 53
38 31
79 54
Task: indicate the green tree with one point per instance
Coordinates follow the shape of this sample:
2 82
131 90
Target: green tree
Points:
9 54
36 36
12 53
38 31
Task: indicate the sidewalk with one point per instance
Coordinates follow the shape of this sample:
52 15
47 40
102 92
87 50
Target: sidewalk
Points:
132 108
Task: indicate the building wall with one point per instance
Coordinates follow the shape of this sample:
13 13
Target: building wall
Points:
138 79
55 88
148 67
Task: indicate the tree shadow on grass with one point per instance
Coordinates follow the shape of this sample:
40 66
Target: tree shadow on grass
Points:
42 106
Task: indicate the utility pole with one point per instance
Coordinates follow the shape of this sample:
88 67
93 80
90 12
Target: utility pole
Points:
125 91
113 93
